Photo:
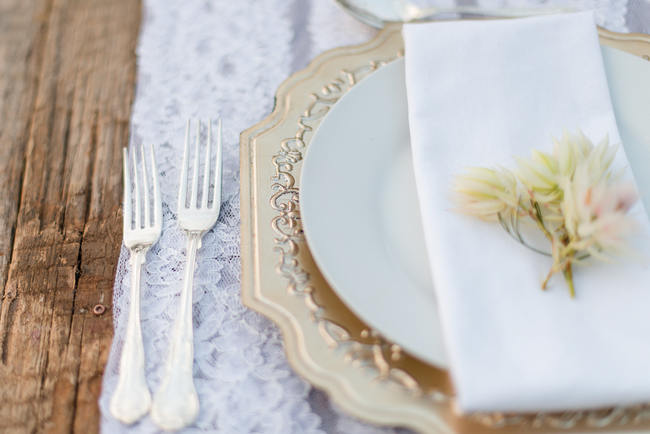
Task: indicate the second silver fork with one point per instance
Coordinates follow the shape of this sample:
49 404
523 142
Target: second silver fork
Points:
175 403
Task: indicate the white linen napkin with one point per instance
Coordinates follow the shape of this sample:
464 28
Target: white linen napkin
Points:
479 93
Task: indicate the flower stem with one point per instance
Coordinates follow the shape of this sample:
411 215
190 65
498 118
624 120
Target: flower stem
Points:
537 216
568 276
548 277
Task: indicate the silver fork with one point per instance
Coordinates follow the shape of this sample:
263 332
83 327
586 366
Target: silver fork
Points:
131 399
176 403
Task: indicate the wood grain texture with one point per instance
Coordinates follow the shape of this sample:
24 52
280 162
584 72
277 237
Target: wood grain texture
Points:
67 78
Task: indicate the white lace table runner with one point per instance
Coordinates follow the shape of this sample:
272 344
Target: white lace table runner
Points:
200 58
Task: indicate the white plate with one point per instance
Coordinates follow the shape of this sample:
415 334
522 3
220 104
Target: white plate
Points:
359 205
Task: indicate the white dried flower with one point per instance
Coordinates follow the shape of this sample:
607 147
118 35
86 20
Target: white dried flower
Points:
570 149
485 193
540 175
595 207
572 195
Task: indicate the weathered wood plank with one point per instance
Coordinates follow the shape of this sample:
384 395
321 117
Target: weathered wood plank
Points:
67 77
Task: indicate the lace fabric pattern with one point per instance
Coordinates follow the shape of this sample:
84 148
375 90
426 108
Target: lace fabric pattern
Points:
201 58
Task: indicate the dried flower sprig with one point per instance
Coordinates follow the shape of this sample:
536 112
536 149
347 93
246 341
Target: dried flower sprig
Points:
572 196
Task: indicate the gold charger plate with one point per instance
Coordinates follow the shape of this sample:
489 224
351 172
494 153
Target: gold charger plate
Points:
325 342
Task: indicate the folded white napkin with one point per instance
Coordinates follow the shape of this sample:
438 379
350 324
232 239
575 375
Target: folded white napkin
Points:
479 93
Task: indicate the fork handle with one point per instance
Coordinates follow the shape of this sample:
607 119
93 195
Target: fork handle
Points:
131 399
175 403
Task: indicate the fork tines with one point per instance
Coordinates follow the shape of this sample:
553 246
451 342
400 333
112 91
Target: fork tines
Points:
211 170
138 213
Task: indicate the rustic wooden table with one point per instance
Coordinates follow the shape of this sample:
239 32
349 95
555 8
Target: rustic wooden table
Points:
67 78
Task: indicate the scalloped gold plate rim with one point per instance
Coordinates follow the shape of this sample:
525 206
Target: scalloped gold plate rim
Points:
325 342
